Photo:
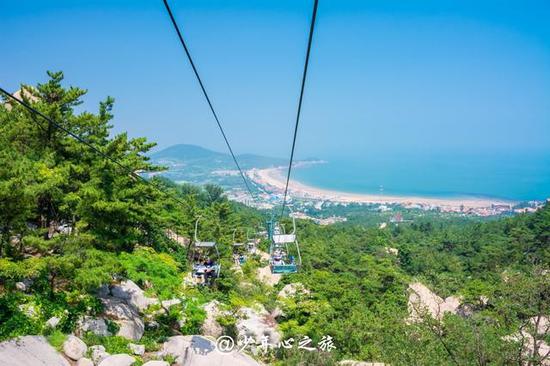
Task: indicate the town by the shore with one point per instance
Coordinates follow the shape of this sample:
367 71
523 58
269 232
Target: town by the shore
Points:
273 180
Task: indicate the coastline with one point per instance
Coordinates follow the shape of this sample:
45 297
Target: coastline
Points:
273 179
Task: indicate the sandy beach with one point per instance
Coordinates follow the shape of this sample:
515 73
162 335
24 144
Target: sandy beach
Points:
273 179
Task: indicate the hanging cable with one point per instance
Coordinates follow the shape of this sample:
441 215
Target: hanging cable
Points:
176 27
310 39
127 169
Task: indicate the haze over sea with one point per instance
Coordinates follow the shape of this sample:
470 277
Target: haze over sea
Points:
518 177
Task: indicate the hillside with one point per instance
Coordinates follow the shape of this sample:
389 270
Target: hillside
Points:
96 267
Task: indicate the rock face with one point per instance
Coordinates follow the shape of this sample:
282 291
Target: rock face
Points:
123 302
257 324
199 351
265 275
98 353
211 327
53 322
293 289
137 349
121 359
30 351
423 301
74 348
85 362
132 294
126 316
156 363
522 337
98 326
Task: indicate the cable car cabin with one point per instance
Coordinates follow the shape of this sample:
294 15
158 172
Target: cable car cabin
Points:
206 260
282 245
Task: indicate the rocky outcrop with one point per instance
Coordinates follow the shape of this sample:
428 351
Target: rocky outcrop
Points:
97 326
265 275
130 324
199 351
423 301
211 327
156 363
30 351
98 353
121 359
293 289
131 293
85 362
529 344
137 349
257 323
52 322
74 348
392 251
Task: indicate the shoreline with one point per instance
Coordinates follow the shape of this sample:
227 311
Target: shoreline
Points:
273 179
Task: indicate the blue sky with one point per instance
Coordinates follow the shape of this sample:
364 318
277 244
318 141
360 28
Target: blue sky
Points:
414 76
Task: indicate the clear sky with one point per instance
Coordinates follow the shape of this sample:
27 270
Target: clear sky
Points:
411 75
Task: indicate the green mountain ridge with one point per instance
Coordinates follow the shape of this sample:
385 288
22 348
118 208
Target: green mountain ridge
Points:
191 155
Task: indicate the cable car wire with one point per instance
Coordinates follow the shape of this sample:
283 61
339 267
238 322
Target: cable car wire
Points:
127 169
195 71
304 75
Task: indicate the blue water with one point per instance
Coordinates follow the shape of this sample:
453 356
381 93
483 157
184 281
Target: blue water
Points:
518 177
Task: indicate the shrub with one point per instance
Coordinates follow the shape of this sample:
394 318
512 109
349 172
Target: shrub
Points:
160 270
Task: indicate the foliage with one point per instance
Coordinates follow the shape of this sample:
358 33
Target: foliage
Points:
157 271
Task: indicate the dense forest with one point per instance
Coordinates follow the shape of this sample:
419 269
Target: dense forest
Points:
72 221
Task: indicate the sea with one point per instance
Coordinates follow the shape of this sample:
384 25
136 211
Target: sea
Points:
514 177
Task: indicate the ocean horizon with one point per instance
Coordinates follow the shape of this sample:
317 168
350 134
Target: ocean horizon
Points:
518 177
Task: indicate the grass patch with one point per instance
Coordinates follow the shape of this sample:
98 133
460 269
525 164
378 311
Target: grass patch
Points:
113 345
56 339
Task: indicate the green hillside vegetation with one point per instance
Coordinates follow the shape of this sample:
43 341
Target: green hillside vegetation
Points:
71 221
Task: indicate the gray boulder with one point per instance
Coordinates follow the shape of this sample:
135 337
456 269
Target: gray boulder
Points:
53 322
24 285
156 363
257 323
30 351
211 327
130 292
103 291
137 349
85 362
120 359
98 353
98 326
115 308
74 348
131 329
199 351
126 316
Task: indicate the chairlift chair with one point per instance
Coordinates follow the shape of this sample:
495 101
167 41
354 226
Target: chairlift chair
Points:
251 243
280 260
202 249
238 247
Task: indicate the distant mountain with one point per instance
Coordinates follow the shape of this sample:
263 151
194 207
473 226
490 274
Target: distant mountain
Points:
193 156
